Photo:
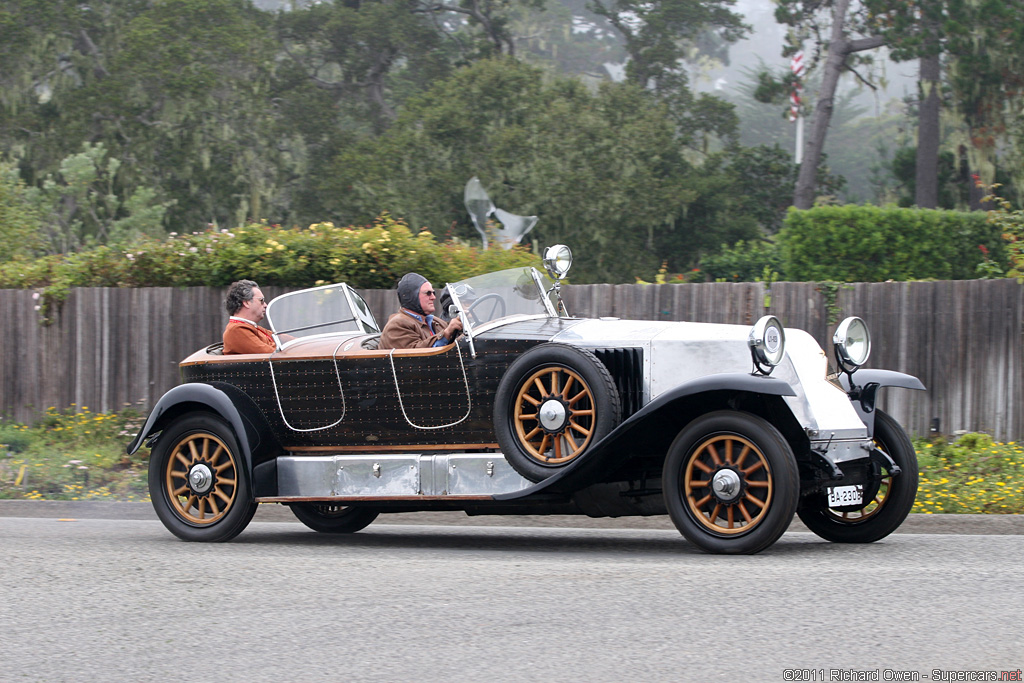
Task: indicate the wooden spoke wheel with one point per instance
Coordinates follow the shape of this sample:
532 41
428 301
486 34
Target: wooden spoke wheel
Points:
888 498
731 483
554 415
202 478
330 518
552 405
728 484
198 481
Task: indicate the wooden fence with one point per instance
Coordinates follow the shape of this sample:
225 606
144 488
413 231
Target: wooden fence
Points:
108 349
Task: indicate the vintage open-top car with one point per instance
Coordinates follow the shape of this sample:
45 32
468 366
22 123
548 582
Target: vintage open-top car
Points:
729 429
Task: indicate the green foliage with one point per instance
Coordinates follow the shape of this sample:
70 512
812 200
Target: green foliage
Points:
971 475
856 243
20 225
1010 224
606 172
744 261
374 256
73 455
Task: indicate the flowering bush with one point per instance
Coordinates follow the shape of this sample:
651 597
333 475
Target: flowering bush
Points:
1011 225
372 256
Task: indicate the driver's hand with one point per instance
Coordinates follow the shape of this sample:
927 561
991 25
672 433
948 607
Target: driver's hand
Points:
454 329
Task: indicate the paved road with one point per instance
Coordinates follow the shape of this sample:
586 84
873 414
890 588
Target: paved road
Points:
121 599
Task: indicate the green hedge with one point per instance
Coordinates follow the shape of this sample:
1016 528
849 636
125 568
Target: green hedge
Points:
857 243
373 256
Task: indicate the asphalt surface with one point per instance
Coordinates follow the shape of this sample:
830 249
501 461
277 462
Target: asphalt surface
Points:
119 599
998 525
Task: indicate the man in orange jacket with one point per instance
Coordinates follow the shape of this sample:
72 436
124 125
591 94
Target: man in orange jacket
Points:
246 306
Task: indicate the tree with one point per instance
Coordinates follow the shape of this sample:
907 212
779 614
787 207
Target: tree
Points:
606 172
810 17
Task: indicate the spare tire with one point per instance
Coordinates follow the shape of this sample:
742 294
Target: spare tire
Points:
553 403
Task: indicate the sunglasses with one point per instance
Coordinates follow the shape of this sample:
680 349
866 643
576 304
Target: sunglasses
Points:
430 292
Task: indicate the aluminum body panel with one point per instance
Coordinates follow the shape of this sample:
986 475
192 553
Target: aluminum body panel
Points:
397 476
840 451
676 353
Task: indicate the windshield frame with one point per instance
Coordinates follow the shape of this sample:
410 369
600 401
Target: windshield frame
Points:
546 310
365 324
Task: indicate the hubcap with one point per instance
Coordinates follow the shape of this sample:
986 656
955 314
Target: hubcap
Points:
726 484
200 478
552 415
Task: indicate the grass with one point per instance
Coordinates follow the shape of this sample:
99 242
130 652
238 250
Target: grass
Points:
79 455
73 455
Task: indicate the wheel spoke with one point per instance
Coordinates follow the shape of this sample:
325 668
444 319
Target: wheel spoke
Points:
523 417
216 455
540 386
192 449
213 506
583 413
206 449
180 491
728 452
758 484
554 382
568 437
558 448
743 511
578 428
698 483
531 400
743 456
532 433
565 389
202 508
180 457
702 467
223 496
702 501
714 513
714 455
544 446
753 468
223 466
755 501
577 397
729 513
227 482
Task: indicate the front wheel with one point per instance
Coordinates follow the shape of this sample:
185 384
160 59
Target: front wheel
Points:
333 519
888 499
198 480
731 483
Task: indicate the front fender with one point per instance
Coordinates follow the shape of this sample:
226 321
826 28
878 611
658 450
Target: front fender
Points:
864 387
588 468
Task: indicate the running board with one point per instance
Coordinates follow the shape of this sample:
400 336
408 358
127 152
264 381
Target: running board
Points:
411 476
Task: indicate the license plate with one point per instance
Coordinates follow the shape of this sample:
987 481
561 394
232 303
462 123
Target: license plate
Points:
842 496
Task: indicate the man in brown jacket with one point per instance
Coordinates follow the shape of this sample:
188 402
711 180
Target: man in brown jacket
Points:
246 306
414 326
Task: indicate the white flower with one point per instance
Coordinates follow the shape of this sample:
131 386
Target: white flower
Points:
35 296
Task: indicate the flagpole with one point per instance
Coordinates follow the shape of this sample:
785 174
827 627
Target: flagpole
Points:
796 114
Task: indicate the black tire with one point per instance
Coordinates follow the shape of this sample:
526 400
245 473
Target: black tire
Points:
753 506
576 393
328 518
890 501
218 504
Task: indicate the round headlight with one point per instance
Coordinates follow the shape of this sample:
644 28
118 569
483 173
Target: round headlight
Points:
852 342
558 260
767 342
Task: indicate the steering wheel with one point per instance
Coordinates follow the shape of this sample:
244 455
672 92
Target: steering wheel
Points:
496 310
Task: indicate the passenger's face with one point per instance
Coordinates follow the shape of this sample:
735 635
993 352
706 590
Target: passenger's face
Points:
427 298
256 307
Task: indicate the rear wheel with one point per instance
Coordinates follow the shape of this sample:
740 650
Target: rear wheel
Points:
887 500
198 481
730 483
328 518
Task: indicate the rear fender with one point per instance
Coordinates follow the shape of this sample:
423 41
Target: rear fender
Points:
220 399
614 448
